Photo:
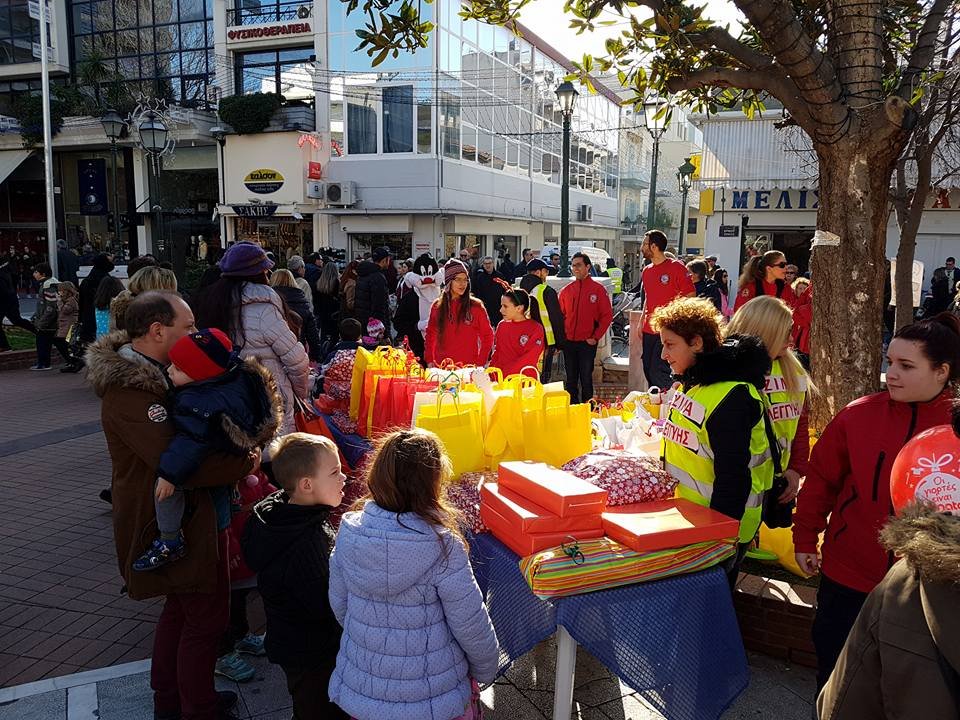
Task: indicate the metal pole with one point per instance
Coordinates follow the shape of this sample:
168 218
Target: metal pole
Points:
116 196
683 222
47 141
652 203
564 270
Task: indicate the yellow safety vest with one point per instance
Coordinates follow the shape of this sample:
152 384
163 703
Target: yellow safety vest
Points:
616 277
537 292
784 409
688 457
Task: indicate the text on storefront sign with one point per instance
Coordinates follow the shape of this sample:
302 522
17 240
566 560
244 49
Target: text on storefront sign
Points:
776 199
269 31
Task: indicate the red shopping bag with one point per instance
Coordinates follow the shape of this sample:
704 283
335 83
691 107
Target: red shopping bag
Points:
309 421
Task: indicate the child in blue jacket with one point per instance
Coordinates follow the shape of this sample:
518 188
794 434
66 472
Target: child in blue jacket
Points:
416 635
220 403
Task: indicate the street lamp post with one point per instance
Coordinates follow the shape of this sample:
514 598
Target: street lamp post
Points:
655 120
113 126
567 97
219 133
684 179
153 139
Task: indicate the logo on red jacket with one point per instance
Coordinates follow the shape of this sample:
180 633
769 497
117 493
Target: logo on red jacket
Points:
745 292
524 339
665 279
593 297
157 413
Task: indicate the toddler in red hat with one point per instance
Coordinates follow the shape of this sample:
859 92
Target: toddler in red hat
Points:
220 404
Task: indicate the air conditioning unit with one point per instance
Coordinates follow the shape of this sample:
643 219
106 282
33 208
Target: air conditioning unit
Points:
316 189
341 193
304 11
585 213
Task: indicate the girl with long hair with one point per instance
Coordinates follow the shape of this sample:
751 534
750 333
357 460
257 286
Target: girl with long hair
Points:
109 288
402 587
846 495
787 387
459 328
326 301
348 290
722 279
519 342
254 317
765 275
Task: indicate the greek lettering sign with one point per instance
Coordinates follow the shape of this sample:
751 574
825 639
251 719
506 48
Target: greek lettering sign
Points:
729 231
267 31
263 181
254 210
776 199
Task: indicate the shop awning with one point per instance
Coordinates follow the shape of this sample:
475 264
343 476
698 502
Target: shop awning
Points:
10 160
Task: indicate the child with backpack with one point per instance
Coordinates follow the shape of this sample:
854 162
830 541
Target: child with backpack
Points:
402 587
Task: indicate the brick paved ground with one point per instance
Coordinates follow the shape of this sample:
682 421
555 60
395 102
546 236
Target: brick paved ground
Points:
61 610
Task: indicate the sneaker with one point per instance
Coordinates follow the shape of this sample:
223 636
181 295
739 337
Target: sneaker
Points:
162 552
233 667
41 367
251 644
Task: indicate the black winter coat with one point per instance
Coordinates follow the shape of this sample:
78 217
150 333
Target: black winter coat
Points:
371 298
486 287
299 303
234 413
742 359
709 290
289 547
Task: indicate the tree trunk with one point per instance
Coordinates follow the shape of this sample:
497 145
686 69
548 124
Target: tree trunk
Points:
848 277
909 216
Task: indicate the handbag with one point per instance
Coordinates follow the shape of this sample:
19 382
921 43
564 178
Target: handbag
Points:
775 514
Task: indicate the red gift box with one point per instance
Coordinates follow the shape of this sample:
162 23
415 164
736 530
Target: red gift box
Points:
528 543
663 524
554 490
531 518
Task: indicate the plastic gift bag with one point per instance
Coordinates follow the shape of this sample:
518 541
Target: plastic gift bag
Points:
455 419
555 433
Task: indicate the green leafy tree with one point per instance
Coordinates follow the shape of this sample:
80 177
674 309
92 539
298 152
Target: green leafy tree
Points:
849 73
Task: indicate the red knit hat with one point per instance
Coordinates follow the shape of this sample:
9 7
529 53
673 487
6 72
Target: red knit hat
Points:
203 354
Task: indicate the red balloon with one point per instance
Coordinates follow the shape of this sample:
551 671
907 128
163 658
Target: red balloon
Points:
928 469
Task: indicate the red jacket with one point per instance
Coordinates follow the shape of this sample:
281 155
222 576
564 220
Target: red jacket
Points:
586 310
749 292
802 320
849 480
467 343
518 345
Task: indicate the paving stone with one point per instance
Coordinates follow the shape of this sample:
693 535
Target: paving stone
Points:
48 706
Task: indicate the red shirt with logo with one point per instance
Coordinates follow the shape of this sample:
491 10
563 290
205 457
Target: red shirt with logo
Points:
663 284
516 345
466 343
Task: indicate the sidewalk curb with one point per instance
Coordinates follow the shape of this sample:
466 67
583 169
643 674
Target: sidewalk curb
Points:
64 682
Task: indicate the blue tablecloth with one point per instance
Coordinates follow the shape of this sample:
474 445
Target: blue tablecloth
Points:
674 641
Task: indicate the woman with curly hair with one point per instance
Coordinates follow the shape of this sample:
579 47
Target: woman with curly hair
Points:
715 438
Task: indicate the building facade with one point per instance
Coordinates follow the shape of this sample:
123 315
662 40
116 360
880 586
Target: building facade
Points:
759 188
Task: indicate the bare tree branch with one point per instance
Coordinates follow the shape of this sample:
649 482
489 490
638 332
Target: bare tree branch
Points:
720 77
925 49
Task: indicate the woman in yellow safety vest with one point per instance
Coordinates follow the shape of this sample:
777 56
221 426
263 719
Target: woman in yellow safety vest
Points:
715 438
787 387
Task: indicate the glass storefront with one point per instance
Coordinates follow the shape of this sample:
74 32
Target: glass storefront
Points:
284 72
400 244
283 236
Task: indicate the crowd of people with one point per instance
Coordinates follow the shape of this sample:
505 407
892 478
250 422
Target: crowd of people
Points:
214 492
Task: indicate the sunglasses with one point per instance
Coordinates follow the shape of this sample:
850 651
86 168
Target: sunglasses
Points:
779 265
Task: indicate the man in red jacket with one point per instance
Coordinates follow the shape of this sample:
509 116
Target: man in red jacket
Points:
586 316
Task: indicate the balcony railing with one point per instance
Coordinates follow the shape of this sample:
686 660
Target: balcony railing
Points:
252 12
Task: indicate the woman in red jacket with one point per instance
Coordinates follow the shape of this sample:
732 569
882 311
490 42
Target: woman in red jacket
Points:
848 478
519 342
459 328
765 275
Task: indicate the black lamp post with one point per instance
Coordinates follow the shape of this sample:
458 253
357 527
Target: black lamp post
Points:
153 139
655 120
113 126
684 179
567 97
219 133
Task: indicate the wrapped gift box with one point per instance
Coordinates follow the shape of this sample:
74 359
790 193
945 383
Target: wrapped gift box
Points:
554 490
646 527
531 518
522 543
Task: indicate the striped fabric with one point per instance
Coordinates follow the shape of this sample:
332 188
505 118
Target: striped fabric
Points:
607 564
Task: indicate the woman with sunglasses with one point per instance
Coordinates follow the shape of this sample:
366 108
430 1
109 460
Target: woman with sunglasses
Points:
765 275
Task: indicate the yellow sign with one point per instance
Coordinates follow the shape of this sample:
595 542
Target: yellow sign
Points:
697 161
263 181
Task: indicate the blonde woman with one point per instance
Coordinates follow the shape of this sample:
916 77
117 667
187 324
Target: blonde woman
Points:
787 386
151 277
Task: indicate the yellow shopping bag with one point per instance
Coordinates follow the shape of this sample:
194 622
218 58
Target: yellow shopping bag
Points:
556 432
458 425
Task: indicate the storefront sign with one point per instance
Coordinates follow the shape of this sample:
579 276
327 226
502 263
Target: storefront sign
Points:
776 199
729 231
263 181
265 31
92 175
254 210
